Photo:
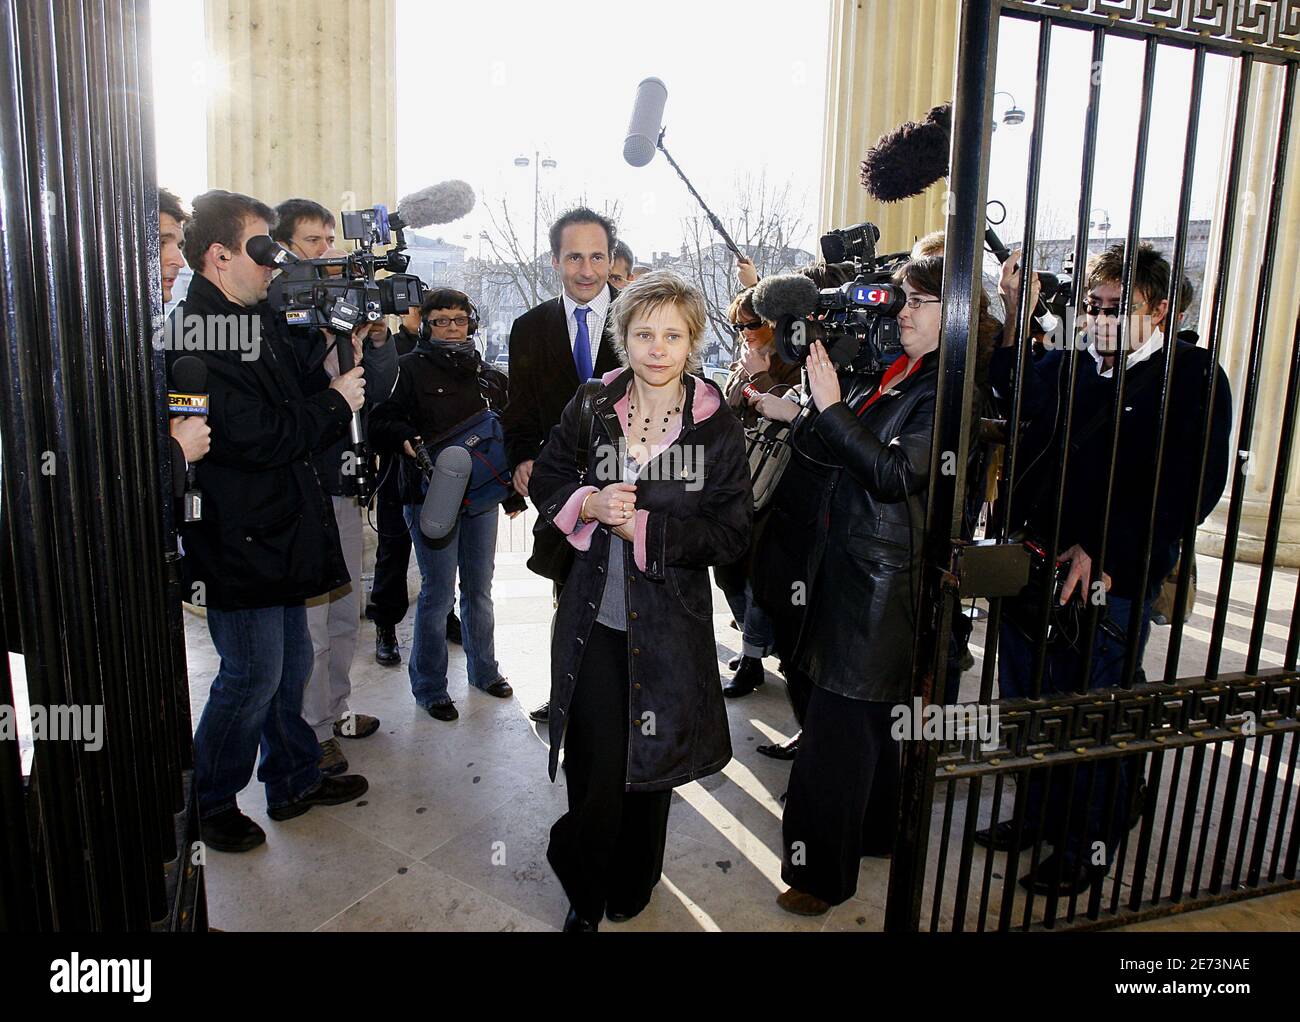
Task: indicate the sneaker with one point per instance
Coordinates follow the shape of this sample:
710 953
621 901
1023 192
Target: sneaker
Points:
356 725
332 760
386 652
231 831
332 791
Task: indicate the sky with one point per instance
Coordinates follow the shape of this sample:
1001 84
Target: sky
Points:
746 96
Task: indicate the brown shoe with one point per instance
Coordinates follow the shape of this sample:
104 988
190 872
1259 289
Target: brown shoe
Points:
356 725
802 904
332 760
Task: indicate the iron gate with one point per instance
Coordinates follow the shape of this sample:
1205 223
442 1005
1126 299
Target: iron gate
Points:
1203 835
90 838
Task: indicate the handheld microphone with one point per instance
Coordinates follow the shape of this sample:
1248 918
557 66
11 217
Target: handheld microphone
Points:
190 380
647 119
786 294
264 251
448 480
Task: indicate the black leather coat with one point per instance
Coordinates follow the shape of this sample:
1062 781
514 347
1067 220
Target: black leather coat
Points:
845 530
672 658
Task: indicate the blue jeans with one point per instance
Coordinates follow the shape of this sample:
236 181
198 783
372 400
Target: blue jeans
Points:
472 548
1061 674
256 698
756 626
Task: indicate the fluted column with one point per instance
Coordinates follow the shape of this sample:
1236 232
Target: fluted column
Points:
889 61
1260 154
304 102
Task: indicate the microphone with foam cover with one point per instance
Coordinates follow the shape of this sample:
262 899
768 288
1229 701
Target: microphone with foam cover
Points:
647 120
447 484
438 204
786 294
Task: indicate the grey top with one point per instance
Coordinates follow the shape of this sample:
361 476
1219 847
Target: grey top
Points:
613 603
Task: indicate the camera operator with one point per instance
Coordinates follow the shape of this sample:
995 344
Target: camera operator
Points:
757 370
445 383
267 540
1033 506
857 494
306 228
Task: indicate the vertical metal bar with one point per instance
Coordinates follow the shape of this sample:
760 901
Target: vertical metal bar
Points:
1248 807
1170 326
1156 778
977 41
1212 791
1225 821
969 821
987 883
1190 804
940 866
1265 807
1254 368
1096 609
1285 816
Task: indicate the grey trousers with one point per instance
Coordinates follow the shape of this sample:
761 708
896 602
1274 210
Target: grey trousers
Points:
334 620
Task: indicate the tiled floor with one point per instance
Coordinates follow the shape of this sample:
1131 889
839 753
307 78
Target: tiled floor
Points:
452 834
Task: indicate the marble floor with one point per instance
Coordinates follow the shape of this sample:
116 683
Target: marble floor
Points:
452 833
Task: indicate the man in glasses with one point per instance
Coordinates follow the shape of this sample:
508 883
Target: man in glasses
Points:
1124 585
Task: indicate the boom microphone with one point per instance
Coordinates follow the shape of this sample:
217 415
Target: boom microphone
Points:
908 160
438 204
647 119
787 294
447 484
264 251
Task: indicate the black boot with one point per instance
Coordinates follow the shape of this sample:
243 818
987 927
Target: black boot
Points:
453 629
386 646
231 831
748 676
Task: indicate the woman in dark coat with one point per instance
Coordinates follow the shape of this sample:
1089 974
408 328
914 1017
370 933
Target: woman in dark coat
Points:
635 697
874 435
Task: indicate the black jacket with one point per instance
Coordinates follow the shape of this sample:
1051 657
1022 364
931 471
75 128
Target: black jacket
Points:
310 348
436 390
1083 510
543 377
268 536
672 658
845 530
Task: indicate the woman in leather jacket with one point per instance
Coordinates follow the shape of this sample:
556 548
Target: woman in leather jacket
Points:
869 446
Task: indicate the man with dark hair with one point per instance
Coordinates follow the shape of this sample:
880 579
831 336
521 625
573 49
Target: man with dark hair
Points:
558 345
333 618
441 392
267 540
304 227
1124 585
190 433
620 266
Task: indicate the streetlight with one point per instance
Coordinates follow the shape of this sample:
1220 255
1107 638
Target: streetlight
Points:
539 165
1013 115
1103 225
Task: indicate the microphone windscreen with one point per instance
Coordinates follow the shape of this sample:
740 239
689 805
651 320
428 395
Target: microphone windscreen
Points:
647 119
908 160
789 294
190 374
447 485
438 204
263 250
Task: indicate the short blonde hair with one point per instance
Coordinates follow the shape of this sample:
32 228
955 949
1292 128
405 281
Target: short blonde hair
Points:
646 294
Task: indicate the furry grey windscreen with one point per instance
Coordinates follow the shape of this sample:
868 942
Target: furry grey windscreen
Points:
789 294
647 119
438 204
442 502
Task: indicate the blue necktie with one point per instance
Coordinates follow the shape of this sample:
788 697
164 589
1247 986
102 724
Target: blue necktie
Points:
582 346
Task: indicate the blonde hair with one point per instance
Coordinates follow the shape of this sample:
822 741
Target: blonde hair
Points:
646 294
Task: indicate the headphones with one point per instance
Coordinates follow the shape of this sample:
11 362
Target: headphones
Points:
426 329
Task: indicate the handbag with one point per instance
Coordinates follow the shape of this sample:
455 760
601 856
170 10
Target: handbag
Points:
552 555
767 448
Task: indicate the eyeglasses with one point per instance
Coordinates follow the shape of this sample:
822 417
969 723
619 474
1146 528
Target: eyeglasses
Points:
1096 309
916 302
445 321
752 325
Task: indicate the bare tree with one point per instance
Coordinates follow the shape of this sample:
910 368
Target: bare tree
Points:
766 225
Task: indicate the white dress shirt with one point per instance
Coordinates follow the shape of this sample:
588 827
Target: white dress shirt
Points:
1138 354
599 307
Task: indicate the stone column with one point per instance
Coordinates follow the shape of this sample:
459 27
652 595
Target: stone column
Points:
305 102
889 61
1260 153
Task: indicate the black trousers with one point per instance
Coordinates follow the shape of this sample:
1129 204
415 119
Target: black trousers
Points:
608 849
843 797
785 635
389 598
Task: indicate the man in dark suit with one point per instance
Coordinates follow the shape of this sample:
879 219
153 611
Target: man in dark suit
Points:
558 345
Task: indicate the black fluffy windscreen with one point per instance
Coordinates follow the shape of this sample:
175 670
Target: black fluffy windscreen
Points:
906 161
